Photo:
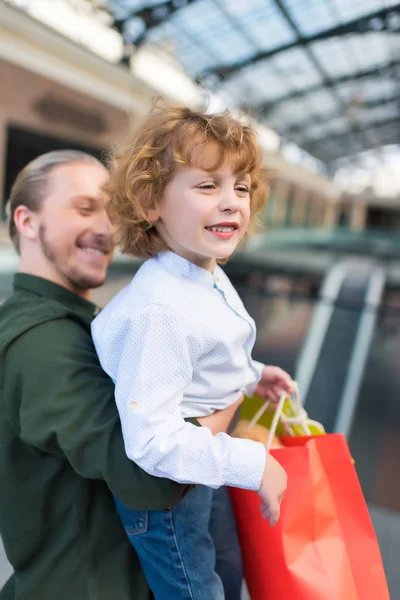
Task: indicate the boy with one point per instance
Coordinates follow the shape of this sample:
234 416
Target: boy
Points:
178 340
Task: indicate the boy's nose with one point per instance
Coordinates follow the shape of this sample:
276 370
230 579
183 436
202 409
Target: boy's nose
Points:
230 203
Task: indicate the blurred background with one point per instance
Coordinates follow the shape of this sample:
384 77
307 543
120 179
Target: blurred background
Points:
320 80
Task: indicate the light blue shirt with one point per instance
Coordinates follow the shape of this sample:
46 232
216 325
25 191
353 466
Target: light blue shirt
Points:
177 342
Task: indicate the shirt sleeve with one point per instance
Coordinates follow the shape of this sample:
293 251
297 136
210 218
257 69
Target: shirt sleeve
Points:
66 407
257 367
151 355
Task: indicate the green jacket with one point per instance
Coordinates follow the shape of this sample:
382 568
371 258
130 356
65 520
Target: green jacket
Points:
62 456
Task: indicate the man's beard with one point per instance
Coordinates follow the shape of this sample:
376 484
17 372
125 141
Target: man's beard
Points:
47 251
73 278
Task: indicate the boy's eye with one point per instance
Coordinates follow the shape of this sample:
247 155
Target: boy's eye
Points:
85 210
207 186
242 188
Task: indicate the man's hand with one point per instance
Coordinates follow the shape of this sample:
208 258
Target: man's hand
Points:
273 382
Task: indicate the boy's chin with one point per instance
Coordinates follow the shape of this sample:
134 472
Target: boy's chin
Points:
227 254
224 258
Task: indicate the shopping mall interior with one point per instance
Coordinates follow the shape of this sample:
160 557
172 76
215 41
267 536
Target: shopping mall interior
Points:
319 80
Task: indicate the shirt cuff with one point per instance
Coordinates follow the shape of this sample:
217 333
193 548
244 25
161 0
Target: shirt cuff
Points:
246 464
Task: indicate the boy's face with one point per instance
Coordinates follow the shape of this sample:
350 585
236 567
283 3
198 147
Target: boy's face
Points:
205 215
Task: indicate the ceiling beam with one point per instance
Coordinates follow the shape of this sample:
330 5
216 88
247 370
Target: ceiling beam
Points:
366 24
321 147
152 16
326 119
331 156
384 71
315 61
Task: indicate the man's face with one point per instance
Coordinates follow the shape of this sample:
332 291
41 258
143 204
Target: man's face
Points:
74 232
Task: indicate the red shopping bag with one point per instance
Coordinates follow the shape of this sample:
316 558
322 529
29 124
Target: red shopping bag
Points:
324 546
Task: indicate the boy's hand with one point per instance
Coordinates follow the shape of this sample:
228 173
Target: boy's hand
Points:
272 490
273 382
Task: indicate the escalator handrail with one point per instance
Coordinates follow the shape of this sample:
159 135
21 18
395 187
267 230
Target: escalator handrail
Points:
360 352
310 352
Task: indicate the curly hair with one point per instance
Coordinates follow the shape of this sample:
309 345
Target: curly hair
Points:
143 165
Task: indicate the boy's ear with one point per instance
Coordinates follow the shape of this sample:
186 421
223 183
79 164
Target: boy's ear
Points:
153 214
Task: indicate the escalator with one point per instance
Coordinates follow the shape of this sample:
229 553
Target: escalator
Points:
349 377
342 344
332 361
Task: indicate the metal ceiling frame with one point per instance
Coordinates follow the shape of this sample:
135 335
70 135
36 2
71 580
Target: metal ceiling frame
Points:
379 20
311 56
356 26
152 16
382 71
323 119
312 144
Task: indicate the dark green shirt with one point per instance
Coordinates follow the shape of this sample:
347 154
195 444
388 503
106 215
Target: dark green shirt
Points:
62 455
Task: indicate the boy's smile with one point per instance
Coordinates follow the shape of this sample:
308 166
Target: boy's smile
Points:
223 230
204 215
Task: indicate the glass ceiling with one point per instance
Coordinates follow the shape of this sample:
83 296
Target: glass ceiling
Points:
324 74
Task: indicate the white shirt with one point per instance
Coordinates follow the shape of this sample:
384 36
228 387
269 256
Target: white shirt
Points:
177 343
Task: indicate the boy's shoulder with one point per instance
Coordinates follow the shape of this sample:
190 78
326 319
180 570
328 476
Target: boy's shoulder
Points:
152 284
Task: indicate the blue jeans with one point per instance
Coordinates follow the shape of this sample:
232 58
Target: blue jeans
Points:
222 528
177 552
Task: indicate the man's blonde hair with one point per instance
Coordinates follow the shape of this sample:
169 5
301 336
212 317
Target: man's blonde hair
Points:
142 166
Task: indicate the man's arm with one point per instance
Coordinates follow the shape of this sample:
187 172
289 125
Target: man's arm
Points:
66 406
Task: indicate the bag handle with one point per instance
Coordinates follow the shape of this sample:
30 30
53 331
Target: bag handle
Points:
275 421
301 419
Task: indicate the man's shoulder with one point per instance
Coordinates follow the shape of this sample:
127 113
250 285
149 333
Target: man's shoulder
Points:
22 315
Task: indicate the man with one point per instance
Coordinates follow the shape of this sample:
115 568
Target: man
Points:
62 455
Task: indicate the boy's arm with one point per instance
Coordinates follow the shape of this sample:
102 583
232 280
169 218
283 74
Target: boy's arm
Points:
258 368
151 354
66 407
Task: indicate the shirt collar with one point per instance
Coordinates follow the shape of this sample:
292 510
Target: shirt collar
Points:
185 269
48 289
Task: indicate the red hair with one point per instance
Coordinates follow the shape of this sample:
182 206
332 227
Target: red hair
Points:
141 168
